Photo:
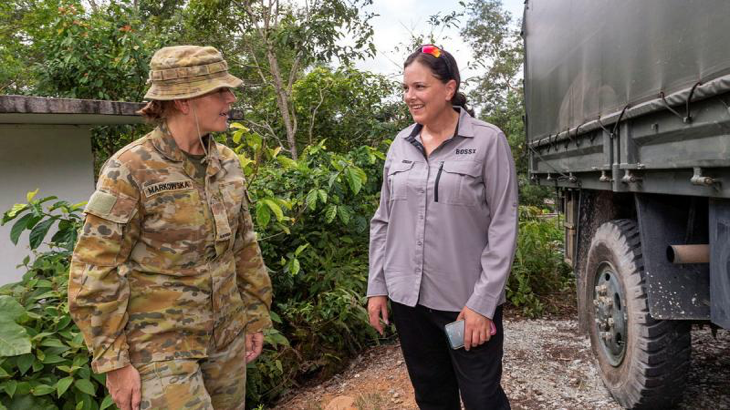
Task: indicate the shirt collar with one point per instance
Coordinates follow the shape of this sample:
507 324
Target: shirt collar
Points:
165 143
465 127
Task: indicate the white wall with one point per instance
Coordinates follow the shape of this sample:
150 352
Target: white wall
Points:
55 158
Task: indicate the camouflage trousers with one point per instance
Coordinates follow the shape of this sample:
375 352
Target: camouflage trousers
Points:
216 382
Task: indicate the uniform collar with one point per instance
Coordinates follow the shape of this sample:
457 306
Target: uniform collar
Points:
164 143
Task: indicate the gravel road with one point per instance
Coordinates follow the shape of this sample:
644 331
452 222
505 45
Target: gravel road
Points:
547 365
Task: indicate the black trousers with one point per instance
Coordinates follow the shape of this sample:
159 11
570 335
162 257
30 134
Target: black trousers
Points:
439 373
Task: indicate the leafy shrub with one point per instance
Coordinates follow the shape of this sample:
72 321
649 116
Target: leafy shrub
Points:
312 216
44 363
538 268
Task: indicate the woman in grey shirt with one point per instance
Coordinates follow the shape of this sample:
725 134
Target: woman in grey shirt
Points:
443 239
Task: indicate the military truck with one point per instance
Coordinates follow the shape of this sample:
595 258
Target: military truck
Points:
628 117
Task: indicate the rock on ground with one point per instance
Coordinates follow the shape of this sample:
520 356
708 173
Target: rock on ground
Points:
547 365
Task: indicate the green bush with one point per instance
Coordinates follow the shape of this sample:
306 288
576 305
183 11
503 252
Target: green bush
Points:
538 269
44 363
312 217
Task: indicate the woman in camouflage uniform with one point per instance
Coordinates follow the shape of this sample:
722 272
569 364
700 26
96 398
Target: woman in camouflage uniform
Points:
167 280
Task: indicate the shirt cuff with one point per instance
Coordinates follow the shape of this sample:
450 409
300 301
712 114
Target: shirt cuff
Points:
377 288
484 305
110 360
258 322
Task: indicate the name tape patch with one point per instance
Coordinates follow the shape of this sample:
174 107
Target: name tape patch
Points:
159 187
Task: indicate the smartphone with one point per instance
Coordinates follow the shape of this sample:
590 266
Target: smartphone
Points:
455 333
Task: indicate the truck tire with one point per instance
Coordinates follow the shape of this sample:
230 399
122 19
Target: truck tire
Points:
643 362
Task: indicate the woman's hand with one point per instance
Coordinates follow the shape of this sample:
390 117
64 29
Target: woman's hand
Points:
476 328
125 387
377 307
254 345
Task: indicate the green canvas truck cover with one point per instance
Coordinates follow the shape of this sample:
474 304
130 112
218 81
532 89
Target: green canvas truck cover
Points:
589 59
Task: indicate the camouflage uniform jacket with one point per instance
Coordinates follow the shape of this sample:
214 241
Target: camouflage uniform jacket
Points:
163 264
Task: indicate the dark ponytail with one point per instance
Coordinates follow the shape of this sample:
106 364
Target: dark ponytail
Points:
445 69
459 100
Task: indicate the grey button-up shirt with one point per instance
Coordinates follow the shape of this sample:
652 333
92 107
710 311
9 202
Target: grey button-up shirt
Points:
444 235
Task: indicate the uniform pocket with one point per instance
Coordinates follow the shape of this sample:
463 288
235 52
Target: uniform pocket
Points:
175 227
102 240
460 183
173 384
398 180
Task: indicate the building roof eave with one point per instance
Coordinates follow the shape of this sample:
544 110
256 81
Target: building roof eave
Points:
20 109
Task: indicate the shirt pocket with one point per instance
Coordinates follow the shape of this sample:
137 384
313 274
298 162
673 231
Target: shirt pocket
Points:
175 227
459 183
398 180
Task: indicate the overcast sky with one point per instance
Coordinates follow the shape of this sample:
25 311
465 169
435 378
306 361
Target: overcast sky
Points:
398 18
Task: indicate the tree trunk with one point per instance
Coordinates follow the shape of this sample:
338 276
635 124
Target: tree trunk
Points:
282 100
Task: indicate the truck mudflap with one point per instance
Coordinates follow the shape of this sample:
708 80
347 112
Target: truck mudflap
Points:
674 292
720 262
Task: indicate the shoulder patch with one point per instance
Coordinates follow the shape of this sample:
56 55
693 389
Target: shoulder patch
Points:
101 203
167 186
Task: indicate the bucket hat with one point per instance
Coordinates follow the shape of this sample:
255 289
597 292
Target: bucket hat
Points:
187 71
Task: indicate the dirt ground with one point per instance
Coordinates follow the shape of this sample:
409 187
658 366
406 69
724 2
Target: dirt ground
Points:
547 365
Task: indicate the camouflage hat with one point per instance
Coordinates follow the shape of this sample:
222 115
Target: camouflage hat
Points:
187 71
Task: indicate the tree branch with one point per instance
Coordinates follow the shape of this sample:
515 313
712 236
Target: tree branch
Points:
314 115
293 71
269 130
95 7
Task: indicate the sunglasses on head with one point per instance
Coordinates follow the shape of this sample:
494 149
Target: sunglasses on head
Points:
437 52
431 49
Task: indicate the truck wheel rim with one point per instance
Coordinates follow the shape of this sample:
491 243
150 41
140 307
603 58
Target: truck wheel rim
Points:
610 314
